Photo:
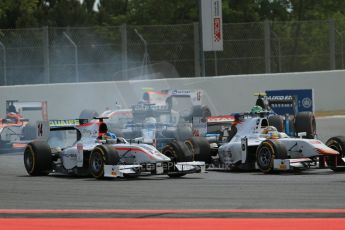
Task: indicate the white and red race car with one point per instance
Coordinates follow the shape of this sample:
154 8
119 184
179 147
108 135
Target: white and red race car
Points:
71 147
256 144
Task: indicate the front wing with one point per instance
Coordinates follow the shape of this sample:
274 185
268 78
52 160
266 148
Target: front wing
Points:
157 169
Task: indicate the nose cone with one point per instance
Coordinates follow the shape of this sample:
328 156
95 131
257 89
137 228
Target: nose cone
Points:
154 154
321 148
326 151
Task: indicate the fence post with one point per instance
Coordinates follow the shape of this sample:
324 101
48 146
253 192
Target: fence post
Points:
124 52
3 47
46 60
201 48
267 37
197 71
75 56
331 25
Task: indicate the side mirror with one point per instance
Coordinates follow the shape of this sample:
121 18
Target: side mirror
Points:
301 134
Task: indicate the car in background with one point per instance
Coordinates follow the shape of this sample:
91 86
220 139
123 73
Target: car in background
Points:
17 128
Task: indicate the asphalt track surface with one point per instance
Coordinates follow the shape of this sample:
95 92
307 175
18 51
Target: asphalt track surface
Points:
218 196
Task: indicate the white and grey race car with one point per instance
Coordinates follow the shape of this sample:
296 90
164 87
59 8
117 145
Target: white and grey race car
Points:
256 144
65 147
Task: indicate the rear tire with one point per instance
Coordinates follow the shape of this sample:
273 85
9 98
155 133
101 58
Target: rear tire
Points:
336 163
102 155
177 151
276 121
38 158
305 122
200 148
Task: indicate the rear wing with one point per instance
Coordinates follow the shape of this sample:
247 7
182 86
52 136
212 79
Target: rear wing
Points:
162 97
220 119
43 128
194 95
53 124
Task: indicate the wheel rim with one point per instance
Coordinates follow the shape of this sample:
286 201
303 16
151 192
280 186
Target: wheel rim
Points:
191 149
170 154
29 161
189 146
264 157
97 162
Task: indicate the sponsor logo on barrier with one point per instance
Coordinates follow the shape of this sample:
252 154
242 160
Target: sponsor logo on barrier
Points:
307 102
303 100
287 97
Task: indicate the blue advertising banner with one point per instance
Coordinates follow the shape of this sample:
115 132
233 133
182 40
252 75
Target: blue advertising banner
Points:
304 97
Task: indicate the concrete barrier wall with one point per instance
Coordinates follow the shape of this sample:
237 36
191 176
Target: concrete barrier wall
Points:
224 94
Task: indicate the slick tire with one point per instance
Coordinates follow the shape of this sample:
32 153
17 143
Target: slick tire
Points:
38 158
276 121
305 122
102 155
267 152
336 163
200 148
177 151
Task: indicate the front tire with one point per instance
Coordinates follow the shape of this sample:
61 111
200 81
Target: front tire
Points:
336 163
102 155
38 158
267 152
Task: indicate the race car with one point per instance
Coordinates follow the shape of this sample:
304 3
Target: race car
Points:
159 118
291 120
72 147
257 144
187 103
15 129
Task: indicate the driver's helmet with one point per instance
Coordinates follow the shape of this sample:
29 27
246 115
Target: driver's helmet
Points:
109 135
270 132
256 109
103 132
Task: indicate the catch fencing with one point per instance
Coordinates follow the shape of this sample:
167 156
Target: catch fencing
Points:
127 52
